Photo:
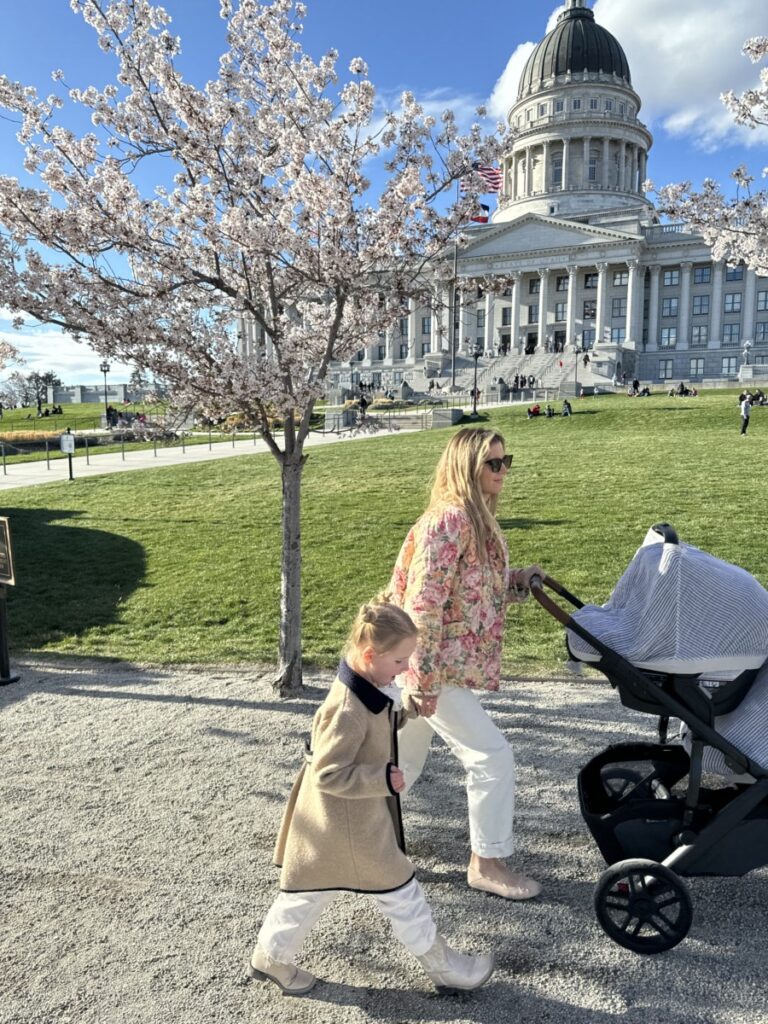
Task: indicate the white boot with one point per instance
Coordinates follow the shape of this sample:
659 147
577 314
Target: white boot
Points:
452 971
292 981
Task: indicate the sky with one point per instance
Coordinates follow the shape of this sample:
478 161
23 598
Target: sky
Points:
681 55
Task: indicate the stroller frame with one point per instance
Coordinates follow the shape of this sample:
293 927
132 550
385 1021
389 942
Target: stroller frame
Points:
641 902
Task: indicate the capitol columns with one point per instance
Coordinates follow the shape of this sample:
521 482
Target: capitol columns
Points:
517 301
602 269
748 322
543 306
570 309
633 305
490 311
716 318
684 312
653 309
411 340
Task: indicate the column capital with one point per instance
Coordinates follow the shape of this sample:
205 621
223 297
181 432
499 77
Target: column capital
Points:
544 272
572 268
655 269
602 267
633 264
687 267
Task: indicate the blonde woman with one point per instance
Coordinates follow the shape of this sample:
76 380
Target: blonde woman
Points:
453 578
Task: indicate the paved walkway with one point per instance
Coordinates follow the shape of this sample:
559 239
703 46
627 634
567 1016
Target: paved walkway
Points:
31 474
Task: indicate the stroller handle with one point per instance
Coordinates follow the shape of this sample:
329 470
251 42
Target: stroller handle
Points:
537 589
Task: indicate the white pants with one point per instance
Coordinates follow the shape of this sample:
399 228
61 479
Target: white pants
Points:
467 728
292 915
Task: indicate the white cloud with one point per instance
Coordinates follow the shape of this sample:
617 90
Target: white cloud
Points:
46 348
682 56
504 92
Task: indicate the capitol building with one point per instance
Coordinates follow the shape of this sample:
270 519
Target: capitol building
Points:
574 258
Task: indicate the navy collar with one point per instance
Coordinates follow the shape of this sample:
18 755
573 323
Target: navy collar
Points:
368 694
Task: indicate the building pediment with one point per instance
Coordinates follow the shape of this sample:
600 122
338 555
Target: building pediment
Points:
535 234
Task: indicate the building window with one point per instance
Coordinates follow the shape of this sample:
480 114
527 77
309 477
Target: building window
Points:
534 286
592 170
576 105
404 350
700 305
558 106
506 316
699 334
542 110
609 104
734 273
762 302
732 302
426 325
618 334
557 171
665 369
404 326
668 337
529 115
382 352
761 331
729 366
731 334
594 103
622 108
671 277
618 307
507 292
481 319
696 368
620 278
590 307
533 314
561 285
560 311
426 348
702 275
360 355
590 280
669 307
587 338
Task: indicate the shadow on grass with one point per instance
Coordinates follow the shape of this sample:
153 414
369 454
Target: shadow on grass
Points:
69 579
529 524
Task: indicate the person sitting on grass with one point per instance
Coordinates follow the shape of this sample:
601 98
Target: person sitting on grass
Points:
342 828
534 410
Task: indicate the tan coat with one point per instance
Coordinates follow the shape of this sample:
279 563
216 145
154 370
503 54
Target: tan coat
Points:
342 827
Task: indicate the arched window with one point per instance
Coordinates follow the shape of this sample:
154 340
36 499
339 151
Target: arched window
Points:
594 156
557 170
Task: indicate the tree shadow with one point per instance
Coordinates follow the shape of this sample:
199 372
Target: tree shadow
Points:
69 578
529 524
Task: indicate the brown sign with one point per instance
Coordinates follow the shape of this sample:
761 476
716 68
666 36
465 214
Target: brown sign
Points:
6 553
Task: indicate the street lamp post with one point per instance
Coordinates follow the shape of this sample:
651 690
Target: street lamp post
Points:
477 352
104 367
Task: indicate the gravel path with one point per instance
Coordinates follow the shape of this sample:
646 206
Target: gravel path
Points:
139 808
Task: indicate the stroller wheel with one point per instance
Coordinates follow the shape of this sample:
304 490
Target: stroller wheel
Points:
644 906
619 782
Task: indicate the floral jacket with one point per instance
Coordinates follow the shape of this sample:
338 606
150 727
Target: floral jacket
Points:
458 602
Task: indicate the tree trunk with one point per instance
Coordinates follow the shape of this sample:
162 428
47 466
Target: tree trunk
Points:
288 682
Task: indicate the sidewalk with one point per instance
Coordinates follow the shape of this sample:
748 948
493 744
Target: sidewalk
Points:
30 474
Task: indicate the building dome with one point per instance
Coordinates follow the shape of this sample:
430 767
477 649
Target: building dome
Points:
575 45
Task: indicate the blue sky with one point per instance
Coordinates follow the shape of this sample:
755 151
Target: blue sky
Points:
681 55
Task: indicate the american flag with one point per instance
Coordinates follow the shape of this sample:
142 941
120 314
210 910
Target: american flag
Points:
491 177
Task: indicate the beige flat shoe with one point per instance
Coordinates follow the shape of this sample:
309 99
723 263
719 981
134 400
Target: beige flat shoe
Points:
519 887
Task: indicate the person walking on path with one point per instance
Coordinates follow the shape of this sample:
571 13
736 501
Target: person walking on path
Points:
342 829
452 576
746 409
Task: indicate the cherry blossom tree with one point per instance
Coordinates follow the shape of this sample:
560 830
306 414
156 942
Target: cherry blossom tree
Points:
736 228
266 215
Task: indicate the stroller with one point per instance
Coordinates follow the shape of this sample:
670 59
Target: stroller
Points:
691 654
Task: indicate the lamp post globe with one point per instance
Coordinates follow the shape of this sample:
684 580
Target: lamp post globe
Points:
104 367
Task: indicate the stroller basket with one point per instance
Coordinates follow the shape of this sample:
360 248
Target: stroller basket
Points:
628 803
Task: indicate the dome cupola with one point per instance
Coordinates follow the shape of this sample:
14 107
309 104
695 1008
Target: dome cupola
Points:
577 44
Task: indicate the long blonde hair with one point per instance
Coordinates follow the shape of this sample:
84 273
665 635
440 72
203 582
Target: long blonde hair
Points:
457 482
380 625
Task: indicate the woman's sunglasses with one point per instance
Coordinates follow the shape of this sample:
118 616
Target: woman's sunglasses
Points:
496 464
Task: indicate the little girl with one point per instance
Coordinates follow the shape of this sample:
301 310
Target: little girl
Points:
342 829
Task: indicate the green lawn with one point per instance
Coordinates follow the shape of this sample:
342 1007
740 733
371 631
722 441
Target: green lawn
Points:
182 563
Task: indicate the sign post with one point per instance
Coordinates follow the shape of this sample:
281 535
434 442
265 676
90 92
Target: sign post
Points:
67 444
7 578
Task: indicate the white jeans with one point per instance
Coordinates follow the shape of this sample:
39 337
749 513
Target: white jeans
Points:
292 915
467 728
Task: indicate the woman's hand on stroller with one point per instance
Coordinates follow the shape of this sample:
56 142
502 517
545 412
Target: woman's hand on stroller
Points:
524 579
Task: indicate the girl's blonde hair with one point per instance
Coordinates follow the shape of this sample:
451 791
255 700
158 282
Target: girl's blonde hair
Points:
457 482
380 625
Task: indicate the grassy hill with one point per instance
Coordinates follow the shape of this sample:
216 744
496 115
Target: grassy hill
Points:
182 564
